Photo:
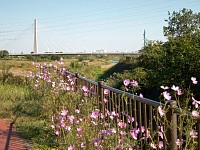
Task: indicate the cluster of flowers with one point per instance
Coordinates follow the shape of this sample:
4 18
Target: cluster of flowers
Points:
63 123
52 75
195 113
73 122
128 82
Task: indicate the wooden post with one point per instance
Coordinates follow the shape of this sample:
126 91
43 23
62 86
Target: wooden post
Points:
171 133
76 81
101 98
198 130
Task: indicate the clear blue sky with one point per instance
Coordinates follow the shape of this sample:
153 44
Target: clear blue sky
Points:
85 25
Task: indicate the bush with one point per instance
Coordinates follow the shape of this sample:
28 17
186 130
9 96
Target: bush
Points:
3 53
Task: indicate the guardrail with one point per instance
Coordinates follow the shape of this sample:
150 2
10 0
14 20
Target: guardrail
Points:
143 110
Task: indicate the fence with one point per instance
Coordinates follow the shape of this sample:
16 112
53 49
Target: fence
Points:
144 111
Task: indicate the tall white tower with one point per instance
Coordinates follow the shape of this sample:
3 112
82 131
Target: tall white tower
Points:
35 36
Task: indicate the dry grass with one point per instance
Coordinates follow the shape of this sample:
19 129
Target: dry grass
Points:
22 67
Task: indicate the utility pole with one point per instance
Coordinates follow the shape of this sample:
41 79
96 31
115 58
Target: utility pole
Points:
144 38
35 36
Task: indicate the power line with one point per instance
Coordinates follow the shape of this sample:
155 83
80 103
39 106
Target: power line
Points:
19 36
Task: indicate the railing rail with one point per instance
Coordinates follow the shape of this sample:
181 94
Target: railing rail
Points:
143 110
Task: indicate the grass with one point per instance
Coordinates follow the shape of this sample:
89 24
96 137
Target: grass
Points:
29 124
32 108
10 96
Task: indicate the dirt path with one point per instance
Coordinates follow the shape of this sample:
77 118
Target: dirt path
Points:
15 143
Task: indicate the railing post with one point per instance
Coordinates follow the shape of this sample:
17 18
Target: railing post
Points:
198 130
171 133
76 81
100 96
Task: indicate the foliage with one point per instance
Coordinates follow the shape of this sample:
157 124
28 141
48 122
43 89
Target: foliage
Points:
74 64
138 74
74 113
174 61
184 23
7 77
42 58
187 110
3 53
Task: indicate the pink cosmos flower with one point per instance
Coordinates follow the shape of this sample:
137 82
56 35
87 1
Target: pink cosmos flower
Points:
85 88
67 128
64 112
77 111
80 130
130 119
153 145
134 133
96 141
160 134
195 102
72 88
179 142
63 125
53 84
160 144
61 63
126 89
141 95
126 82
194 80
134 83
142 129
111 117
105 100
175 88
71 119
102 115
57 132
113 113
164 87
94 123
193 134
76 121
85 94
68 88
146 134
166 95
71 148
179 92
122 124
113 130
161 112
83 145
94 114
123 133
195 113
63 119
106 91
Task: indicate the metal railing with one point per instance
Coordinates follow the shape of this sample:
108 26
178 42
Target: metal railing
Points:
143 110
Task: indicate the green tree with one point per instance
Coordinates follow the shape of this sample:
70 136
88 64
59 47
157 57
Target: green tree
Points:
177 60
184 23
182 50
3 53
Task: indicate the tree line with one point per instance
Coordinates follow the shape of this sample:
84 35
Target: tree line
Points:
169 63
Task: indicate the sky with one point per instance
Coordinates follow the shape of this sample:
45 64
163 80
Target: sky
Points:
72 26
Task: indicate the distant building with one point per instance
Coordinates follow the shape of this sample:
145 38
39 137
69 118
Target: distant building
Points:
100 51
